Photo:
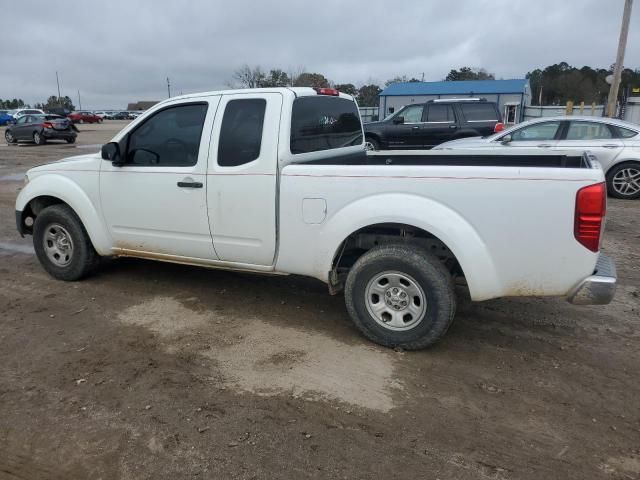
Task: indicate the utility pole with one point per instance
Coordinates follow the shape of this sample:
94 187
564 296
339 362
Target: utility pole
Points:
617 70
58 82
79 101
168 87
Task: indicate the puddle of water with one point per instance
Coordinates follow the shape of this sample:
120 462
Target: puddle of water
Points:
7 248
12 177
92 146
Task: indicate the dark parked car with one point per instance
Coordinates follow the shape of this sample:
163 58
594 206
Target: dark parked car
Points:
425 125
84 117
121 116
40 128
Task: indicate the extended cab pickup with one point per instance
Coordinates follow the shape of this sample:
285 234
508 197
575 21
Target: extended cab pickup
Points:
278 181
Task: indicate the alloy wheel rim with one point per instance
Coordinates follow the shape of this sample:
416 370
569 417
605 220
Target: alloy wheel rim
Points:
369 146
395 301
58 245
36 137
627 181
8 136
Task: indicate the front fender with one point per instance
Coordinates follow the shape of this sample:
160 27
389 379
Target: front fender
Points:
437 219
68 191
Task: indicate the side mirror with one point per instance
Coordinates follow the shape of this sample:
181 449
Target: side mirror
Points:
111 152
506 139
397 120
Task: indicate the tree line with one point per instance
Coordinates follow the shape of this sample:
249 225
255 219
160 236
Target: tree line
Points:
553 85
53 102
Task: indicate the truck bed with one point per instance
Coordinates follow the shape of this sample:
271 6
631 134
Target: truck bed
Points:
469 158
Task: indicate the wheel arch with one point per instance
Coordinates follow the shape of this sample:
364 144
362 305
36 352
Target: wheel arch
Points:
47 190
422 217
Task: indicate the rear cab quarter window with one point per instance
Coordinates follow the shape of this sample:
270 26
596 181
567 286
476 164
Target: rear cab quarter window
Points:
479 112
324 123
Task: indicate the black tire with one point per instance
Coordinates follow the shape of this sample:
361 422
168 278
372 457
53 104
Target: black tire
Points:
8 136
38 138
371 144
99 120
430 275
616 188
83 258
71 140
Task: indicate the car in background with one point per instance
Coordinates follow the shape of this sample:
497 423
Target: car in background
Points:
134 115
38 128
121 116
615 144
425 125
84 117
20 112
5 117
101 115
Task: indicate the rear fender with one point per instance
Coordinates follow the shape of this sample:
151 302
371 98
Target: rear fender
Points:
453 230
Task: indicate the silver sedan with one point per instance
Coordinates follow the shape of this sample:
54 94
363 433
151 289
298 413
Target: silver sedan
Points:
615 143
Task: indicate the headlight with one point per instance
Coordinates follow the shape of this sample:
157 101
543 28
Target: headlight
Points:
26 179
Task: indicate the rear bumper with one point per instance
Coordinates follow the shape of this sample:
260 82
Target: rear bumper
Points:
61 134
596 289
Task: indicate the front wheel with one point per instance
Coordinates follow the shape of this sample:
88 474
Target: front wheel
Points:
71 140
8 136
62 244
400 296
623 181
371 144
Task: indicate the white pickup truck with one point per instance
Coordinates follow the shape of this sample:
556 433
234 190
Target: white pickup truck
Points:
277 181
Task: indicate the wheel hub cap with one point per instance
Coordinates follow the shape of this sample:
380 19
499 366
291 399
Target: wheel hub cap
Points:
627 181
395 300
58 245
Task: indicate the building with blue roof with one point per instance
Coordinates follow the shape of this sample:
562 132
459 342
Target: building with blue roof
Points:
510 95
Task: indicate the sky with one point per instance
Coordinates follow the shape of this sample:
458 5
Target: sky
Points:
120 51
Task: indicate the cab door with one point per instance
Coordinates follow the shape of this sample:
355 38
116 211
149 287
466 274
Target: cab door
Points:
242 178
597 137
155 200
407 133
439 125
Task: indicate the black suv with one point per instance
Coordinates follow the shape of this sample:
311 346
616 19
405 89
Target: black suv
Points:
425 125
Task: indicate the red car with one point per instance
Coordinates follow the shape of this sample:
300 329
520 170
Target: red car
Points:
84 117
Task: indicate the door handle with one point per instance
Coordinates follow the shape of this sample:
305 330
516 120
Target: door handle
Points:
190 184
453 126
611 146
415 128
544 145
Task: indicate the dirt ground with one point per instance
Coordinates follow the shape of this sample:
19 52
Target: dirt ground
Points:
149 370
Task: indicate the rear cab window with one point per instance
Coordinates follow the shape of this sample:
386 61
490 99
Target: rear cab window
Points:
324 123
479 112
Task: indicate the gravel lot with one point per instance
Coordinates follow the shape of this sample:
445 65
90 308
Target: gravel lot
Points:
152 370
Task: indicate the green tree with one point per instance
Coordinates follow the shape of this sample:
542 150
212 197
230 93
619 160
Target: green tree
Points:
11 104
63 103
468 73
368 96
316 80
275 78
400 79
348 88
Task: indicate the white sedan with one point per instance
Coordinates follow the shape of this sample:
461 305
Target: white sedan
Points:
615 143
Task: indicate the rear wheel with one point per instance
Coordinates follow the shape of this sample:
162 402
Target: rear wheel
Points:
400 296
8 136
81 121
62 244
71 140
371 144
623 181
39 139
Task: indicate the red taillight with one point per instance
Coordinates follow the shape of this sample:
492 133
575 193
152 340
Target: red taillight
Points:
591 207
327 91
47 125
498 128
